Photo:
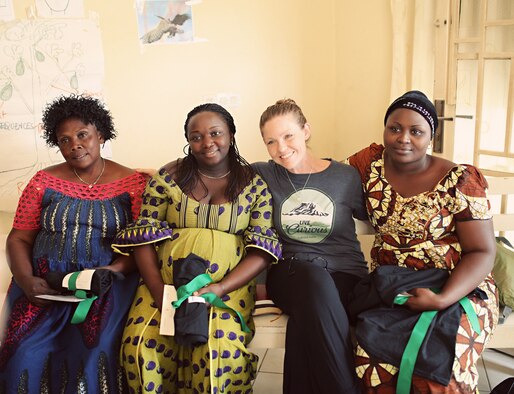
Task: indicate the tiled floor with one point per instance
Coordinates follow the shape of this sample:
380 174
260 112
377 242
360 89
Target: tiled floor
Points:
493 368
269 377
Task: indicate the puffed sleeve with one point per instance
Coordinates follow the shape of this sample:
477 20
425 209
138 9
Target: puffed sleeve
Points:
260 232
30 204
470 195
150 226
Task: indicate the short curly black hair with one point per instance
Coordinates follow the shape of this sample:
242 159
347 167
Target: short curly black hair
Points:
87 109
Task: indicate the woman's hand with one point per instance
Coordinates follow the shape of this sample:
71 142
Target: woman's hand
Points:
248 268
33 286
423 299
157 295
216 288
19 257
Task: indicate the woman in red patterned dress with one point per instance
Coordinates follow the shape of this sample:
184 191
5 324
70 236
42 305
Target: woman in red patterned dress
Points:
66 220
429 213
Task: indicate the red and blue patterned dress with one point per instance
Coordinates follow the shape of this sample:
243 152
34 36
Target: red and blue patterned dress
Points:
419 232
41 350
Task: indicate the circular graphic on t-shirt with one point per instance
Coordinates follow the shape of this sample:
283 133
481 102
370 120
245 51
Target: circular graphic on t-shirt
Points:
307 216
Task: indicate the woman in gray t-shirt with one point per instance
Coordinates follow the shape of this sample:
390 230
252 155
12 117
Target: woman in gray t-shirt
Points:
314 202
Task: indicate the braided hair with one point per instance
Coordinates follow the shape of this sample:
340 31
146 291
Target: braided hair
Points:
241 173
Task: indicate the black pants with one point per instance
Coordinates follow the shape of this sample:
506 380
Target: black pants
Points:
319 356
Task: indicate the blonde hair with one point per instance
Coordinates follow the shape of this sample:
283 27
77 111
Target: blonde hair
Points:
283 107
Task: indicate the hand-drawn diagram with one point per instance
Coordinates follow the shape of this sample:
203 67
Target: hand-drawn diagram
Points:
164 21
40 60
60 8
6 10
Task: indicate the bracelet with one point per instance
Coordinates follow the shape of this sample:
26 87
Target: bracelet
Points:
222 287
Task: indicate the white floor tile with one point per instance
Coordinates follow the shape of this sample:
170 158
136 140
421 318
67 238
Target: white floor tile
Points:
498 366
274 361
483 380
493 368
262 355
268 383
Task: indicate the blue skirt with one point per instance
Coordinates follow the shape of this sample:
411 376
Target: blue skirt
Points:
43 352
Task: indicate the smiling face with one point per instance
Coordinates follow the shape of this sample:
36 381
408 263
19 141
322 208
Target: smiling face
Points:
79 143
209 138
407 136
285 140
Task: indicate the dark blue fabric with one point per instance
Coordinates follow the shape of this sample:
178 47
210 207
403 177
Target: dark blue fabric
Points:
77 234
43 351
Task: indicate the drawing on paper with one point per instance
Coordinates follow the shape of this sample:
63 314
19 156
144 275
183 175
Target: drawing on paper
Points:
60 8
41 60
164 21
6 10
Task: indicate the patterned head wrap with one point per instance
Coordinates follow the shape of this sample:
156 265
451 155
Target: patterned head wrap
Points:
419 102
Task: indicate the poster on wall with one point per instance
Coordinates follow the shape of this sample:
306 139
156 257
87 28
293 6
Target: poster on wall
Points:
60 8
164 21
6 10
41 60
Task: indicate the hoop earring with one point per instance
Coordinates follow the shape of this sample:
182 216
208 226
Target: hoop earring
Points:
186 146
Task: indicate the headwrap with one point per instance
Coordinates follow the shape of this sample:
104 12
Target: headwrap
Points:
416 101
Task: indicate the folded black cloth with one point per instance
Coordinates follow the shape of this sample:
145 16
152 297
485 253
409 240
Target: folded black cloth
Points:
383 330
380 287
191 319
101 281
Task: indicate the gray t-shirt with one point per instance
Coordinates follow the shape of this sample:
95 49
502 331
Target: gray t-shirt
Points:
313 214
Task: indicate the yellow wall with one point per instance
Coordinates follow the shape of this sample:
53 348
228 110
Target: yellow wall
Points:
331 56
364 42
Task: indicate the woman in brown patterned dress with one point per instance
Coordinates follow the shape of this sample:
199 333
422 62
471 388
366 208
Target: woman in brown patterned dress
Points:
429 213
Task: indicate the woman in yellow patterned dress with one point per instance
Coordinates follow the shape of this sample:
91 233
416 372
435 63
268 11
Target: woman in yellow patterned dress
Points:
211 204
429 213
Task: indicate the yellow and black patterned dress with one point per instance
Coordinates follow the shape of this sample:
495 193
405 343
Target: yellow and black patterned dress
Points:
219 233
419 232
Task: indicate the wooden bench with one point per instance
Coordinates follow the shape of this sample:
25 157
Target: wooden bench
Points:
502 187
271 328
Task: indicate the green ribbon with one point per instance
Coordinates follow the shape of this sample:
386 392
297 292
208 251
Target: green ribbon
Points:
186 290
410 354
83 306
419 332
471 314
183 292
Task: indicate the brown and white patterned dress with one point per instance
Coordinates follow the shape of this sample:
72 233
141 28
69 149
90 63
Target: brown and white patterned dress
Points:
419 232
